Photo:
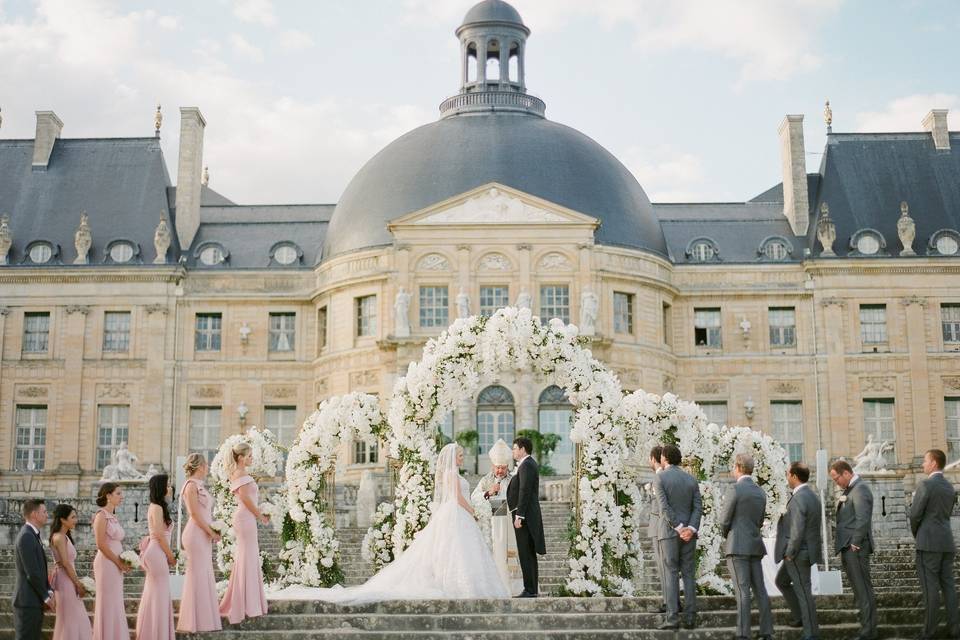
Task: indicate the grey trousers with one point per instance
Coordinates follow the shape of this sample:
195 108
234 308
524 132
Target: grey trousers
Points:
793 580
856 564
935 571
679 560
747 575
661 571
28 623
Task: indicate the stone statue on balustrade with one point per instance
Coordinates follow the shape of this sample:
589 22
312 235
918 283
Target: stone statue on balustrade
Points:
871 459
401 319
589 307
124 467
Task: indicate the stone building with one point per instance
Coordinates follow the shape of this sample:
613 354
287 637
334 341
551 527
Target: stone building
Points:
822 310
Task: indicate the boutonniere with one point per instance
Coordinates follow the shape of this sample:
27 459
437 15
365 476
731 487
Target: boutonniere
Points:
841 499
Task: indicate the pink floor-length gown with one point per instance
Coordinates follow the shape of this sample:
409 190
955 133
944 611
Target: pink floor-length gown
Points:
72 623
199 609
155 615
244 597
110 616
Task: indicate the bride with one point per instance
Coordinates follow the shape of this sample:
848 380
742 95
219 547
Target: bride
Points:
448 559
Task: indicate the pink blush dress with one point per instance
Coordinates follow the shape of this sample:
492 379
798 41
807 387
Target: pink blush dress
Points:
155 615
245 597
199 609
72 623
109 615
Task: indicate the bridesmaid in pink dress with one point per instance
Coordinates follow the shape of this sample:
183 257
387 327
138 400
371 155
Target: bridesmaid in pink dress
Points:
72 623
155 615
109 615
198 606
245 596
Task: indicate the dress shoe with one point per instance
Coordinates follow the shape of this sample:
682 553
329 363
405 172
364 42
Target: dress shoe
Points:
795 624
668 626
522 594
662 608
765 638
690 623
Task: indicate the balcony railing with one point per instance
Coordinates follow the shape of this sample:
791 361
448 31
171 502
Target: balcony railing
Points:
492 101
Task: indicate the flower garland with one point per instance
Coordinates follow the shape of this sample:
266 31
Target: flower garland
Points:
483 514
375 547
267 463
309 549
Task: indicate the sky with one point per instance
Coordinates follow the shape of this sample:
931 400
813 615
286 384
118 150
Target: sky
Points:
298 94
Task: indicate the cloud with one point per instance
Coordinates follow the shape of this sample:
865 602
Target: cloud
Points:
294 40
907 112
255 11
666 174
245 49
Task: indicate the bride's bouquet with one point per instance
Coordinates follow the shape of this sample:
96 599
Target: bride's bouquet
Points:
483 513
218 526
130 558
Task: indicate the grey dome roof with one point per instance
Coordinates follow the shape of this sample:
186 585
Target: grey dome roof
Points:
492 11
446 158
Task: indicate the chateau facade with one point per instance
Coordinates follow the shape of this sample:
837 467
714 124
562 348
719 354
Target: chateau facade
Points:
824 310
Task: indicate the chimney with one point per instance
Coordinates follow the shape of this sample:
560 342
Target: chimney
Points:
189 166
796 205
936 123
48 130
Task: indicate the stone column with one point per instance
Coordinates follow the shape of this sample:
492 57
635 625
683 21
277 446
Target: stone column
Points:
521 51
925 434
158 448
67 455
482 61
524 259
504 62
842 440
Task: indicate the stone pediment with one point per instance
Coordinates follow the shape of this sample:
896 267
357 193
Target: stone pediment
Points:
493 203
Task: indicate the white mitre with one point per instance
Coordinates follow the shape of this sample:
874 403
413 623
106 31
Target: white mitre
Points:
500 453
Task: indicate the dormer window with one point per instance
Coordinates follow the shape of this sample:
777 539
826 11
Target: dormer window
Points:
40 252
945 242
867 242
702 250
285 253
776 249
121 251
211 254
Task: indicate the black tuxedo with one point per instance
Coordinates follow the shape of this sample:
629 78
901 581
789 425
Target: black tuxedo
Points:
523 500
32 588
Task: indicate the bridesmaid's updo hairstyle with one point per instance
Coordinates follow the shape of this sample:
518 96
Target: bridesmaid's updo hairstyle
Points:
240 450
194 461
60 513
105 489
158 494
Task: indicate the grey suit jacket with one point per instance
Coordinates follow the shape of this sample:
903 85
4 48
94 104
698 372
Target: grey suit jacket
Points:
32 587
930 514
743 511
654 527
799 529
855 518
678 496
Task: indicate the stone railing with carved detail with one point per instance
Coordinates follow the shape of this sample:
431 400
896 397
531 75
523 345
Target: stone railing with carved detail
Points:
492 101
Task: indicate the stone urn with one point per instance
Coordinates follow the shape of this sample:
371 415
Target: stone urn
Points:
826 231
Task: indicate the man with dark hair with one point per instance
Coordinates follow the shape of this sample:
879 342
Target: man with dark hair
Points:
32 593
680 508
523 501
854 542
930 523
655 524
799 546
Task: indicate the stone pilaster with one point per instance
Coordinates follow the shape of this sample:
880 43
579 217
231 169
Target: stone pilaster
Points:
67 454
153 436
841 440
925 434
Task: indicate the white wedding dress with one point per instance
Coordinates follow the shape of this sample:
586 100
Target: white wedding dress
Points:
448 559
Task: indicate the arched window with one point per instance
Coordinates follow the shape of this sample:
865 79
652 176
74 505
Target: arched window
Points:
702 250
555 415
495 417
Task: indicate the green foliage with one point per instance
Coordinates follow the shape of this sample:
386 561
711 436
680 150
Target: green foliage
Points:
544 444
441 439
469 440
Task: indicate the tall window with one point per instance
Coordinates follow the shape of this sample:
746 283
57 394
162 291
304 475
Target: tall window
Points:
366 316
282 421
783 326
208 331
113 427
205 430
716 412
667 321
554 416
116 331
622 312
555 302
951 408
434 307
322 328
873 323
495 418
283 332
706 328
364 453
30 451
36 332
878 421
787 418
447 427
492 298
950 321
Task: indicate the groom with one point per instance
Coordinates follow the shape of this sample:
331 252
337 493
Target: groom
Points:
523 500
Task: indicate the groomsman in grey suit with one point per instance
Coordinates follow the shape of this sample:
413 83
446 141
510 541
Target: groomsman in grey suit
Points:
31 592
799 546
854 542
930 523
744 508
678 496
655 523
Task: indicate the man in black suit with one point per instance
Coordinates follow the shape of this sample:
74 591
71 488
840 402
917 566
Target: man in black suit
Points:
32 593
523 500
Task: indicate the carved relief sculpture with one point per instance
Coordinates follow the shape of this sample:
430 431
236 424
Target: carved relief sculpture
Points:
401 319
494 262
554 262
826 231
433 262
907 230
6 238
82 239
161 241
589 307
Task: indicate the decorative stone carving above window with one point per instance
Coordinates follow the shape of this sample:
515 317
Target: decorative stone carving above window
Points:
786 387
951 382
279 392
207 392
495 262
707 388
554 261
433 262
877 384
32 391
361 379
113 391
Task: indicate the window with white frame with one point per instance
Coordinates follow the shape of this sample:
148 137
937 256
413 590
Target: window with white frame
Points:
113 427
205 430
555 302
116 331
622 312
716 411
950 321
787 422
873 323
446 428
951 408
30 450
783 326
434 307
282 422
366 316
208 331
36 332
879 421
322 327
706 328
555 415
493 297
495 417
283 332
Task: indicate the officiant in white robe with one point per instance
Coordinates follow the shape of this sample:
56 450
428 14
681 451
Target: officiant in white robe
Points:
493 487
